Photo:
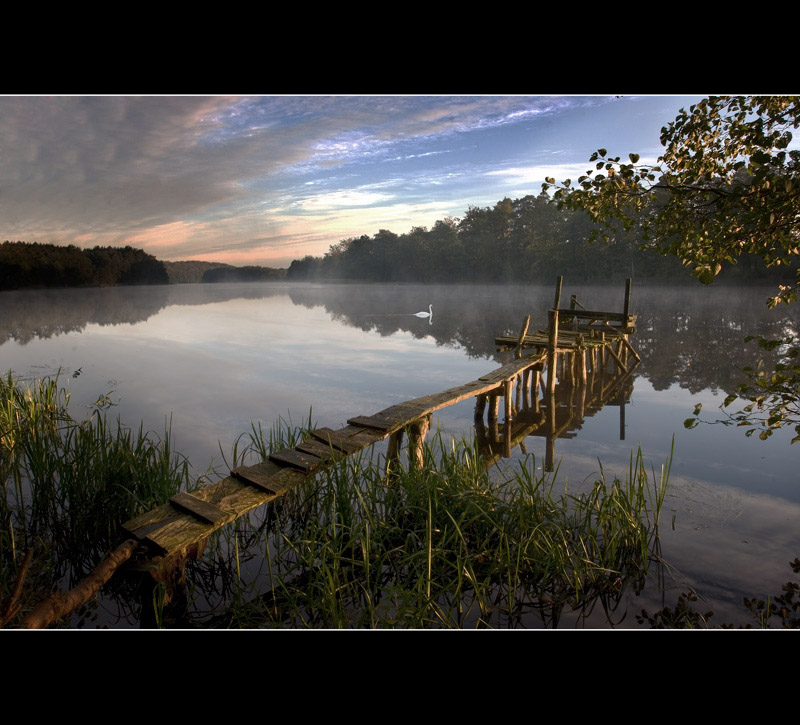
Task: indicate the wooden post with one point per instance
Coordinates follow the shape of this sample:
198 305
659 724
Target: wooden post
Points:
526 383
393 452
627 306
416 441
494 404
552 357
507 385
523 332
480 406
557 301
581 353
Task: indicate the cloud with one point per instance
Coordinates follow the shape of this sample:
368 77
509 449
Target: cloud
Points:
181 174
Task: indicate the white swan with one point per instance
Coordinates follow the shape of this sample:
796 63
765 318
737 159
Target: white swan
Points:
425 314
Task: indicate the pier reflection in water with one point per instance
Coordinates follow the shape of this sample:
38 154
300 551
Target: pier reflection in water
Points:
586 380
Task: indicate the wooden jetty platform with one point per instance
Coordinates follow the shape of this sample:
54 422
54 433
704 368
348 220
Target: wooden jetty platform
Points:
577 352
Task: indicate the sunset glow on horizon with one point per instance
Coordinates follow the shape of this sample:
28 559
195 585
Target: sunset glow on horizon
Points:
263 180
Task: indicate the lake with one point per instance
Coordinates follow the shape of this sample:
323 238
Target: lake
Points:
207 360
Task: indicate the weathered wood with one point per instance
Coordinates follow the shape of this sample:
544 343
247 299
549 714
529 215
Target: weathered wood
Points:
203 510
258 480
334 438
557 302
627 304
297 459
393 450
616 358
371 421
60 604
416 441
631 349
324 452
523 332
480 406
552 356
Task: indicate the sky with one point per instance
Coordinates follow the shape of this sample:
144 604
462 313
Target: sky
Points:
267 179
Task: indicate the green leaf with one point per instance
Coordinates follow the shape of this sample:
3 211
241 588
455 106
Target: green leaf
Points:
705 275
633 157
690 423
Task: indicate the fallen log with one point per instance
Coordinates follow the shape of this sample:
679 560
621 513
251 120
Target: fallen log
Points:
61 604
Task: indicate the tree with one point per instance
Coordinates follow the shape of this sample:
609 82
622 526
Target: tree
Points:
726 186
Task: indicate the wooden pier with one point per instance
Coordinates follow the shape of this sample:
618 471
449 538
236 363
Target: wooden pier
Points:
577 349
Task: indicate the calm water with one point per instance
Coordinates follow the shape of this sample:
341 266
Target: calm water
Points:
208 359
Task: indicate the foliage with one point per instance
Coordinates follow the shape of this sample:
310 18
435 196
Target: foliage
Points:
447 546
726 187
242 274
24 265
523 240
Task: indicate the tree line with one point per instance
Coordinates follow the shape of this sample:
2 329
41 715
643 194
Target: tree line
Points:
32 264
518 241
37 265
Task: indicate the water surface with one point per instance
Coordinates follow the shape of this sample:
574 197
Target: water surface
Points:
209 359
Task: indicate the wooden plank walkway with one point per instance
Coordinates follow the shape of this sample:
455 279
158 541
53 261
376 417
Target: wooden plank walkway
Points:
178 527
189 518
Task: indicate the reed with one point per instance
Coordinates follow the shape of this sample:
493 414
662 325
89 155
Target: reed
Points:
68 484
448 545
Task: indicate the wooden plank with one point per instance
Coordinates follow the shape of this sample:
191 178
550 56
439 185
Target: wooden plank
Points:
203 510
371 421
179 534
296 459
254 478
324 452
327 436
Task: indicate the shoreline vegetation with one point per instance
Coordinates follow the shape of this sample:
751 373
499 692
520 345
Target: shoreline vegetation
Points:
527 240
444 545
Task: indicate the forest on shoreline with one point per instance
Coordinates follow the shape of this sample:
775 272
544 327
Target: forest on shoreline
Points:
526 240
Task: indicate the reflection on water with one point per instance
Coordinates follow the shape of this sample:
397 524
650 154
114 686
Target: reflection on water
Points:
208 359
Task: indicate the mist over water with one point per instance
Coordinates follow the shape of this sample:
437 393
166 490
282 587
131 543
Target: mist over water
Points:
208 359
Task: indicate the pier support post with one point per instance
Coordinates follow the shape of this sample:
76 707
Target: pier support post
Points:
393 451
557 300
522 333
480 406
507 401
627 305
552 359
416 441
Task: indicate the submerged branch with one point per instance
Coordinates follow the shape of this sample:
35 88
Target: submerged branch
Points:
61 604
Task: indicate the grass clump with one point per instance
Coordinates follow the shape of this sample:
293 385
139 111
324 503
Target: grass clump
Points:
448 546
68 484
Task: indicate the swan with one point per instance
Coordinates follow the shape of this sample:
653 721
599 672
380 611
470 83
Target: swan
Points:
425 314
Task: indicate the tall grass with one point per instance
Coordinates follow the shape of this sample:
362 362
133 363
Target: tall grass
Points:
68 484
444 545
449 546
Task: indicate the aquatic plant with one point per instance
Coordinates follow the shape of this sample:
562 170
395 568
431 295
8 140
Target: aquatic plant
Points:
445 545
68 484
